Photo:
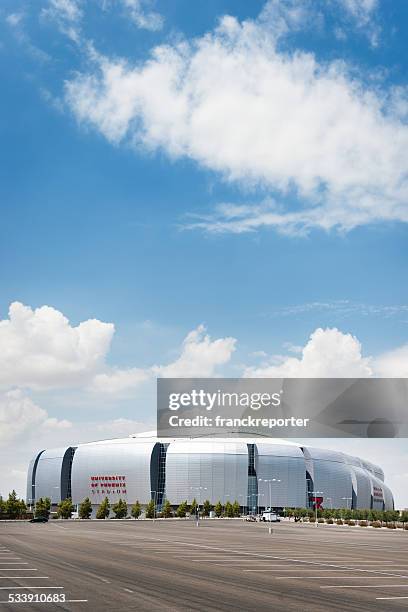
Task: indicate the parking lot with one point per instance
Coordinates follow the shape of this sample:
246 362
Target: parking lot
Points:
219 565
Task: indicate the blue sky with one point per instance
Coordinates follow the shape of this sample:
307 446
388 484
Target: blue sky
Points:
158 224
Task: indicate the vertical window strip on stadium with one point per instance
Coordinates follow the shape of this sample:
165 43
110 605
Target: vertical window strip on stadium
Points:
161 481
252 495
34 474
71 460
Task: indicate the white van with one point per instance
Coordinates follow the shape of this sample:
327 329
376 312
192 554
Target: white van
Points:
270 517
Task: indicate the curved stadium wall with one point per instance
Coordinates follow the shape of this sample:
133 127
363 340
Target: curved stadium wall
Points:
145 467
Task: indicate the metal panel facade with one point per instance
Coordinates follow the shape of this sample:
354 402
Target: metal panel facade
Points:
285 464
48 475
220 468
214 469
363 487
113 470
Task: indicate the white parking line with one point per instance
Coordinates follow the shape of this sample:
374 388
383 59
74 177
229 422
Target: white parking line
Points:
23 588
364 586
20 569
25 577
336 578
252 555
396 597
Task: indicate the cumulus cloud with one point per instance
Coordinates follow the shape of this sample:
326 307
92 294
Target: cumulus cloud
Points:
328 353
238 104
20 415
199 356
393 364
40 349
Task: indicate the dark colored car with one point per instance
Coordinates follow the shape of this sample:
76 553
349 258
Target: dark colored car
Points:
39 519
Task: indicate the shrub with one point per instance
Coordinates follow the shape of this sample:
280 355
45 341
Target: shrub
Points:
363 524
320 520
330 521
136 510
65 509
150 509
85 509
120 509
166 510
391 526
351 523
207 507
339 522
103 510
42 507
376 524
218 509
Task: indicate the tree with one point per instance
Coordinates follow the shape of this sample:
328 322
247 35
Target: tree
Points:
193 507
65 509
120 509
229 511
2 506
207 507
167 510
85 509
103 510
136 510
42 507
218 509
182 510
236 508
14 506
404 516
150 509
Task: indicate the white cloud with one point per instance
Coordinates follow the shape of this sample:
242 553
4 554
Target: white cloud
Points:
344 308
328 353
393 364
237 104
67 14
14 19
199 356
117 380
362 13
141 16
19 416
40 349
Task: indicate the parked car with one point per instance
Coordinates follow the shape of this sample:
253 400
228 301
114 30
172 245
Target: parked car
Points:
39 519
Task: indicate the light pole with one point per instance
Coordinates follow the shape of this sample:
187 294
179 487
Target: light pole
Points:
314 493
258 495
331 502
270 481
347 500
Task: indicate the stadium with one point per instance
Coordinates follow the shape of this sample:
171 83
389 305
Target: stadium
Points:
256 473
